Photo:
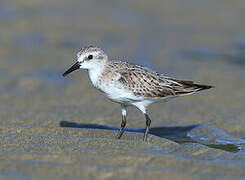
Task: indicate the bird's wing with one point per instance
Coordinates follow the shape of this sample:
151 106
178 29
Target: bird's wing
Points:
144 82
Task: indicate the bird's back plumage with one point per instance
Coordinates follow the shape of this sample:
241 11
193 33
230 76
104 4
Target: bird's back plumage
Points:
147 83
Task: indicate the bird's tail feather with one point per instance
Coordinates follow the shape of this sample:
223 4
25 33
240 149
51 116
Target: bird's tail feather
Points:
189 87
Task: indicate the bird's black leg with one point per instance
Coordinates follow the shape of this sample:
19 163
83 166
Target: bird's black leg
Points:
148 123
123 123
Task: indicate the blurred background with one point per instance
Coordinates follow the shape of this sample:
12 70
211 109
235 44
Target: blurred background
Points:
197 40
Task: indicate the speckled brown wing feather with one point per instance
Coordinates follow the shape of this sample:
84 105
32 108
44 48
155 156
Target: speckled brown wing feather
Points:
144 82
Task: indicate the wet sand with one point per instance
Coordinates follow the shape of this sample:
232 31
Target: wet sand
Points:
61 128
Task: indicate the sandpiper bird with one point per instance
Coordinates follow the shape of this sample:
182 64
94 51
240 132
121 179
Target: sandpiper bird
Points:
130 84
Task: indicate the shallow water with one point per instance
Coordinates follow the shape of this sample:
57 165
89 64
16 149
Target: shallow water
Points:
195 137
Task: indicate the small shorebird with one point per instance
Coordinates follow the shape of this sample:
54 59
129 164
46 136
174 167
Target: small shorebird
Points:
130 84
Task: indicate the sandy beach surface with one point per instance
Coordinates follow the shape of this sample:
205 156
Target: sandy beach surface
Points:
62 128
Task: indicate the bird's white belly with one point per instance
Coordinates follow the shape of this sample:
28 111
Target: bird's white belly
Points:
117 93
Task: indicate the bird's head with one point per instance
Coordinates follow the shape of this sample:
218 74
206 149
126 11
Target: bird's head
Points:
89 57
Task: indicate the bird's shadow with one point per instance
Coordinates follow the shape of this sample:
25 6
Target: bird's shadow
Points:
176 133
179 134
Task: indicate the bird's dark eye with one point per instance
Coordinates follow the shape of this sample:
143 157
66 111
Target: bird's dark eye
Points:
90 56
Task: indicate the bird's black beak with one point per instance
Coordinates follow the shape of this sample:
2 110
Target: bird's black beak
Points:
72 68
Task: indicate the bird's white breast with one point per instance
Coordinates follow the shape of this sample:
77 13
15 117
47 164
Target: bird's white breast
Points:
111 87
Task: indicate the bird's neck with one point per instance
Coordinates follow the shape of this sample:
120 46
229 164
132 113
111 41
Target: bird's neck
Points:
95 73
